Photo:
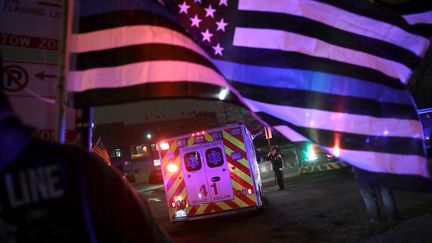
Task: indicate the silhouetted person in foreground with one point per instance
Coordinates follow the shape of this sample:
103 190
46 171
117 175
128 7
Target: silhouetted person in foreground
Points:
371 189
59 193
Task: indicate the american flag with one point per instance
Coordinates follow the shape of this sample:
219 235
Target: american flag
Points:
331 72
100 150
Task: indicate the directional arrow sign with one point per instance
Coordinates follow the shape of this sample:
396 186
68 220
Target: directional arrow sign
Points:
42 75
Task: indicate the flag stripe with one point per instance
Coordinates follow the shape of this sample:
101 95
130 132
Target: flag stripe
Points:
88 8
375 11
351 22
341 122
292 135
419 18
416 13
327 102
286 41
384 162
292 60
311 80
145 72
307 27
401 180
184 89
126 36
117 19
137 53
350 141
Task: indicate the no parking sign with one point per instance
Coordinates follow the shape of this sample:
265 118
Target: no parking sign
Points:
15 78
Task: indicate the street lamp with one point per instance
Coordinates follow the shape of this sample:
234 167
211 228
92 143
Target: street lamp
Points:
149 136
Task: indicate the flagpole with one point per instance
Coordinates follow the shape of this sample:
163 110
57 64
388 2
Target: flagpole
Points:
86 125
67 8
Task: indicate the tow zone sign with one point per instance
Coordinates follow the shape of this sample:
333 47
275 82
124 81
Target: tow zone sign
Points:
30 39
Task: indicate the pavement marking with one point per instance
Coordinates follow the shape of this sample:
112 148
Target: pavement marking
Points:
274 188
154 199
150 188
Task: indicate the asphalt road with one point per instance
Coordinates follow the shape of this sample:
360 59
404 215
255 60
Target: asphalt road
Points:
320 207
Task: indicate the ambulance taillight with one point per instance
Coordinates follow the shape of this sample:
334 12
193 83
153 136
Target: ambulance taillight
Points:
178 203
164 146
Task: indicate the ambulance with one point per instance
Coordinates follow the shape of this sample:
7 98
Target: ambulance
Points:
210 173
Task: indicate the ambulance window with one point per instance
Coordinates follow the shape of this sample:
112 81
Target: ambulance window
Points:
192 161
214 157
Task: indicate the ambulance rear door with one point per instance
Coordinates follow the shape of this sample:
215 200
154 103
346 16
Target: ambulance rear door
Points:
207 176
194 175
218 175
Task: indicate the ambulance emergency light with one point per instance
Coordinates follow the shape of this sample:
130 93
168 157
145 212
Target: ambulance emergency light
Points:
172 168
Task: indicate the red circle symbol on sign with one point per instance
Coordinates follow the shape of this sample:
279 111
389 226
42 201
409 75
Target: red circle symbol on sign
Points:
15 78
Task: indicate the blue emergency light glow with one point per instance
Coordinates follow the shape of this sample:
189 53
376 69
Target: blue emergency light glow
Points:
236 155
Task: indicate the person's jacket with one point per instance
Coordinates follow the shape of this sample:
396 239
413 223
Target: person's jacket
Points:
60 193
276 161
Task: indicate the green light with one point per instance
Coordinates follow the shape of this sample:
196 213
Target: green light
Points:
310 153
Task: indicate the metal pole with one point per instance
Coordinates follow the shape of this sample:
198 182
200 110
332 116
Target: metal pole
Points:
85 125
67 8
295 152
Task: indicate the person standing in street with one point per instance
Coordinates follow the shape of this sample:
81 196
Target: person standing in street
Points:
369 186
276 160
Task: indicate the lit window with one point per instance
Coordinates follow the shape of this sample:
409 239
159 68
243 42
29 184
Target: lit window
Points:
139 151
116 153
192 161
214 157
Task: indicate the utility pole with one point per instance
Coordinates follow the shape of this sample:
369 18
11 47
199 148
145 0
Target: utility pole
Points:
67 7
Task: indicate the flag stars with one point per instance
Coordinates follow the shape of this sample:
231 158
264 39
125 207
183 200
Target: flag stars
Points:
223 2
218 49
210 11
206 35
184 8
221 25
195 21
197 1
